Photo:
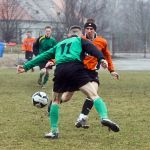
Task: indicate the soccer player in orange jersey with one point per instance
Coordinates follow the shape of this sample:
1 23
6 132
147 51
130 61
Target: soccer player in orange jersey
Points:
27 46
90 63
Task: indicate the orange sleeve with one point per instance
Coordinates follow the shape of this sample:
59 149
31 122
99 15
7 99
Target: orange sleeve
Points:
91 62
108 58
101 43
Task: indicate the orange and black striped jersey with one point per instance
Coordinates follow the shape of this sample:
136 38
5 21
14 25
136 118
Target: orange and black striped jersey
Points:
27 44
91 62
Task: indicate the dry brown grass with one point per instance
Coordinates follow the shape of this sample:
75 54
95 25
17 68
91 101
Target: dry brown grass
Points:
22 126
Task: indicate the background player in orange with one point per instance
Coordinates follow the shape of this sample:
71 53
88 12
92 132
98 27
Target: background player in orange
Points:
90 63
27 46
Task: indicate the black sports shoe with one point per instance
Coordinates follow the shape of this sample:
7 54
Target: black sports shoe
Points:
82 124
52 135
49 107
111 125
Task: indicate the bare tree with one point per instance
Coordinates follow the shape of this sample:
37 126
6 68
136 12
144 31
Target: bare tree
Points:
98 9
130 24
73 12
140 23
10 14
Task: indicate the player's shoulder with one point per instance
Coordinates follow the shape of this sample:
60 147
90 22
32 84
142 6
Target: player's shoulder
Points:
73 38
40 38
53 39
84 37
100 39
25 39
33 38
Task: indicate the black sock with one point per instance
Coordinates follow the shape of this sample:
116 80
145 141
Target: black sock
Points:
87 106
49 106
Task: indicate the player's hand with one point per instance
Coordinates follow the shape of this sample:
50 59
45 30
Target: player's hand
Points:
49 64
115 75
20 69
104 63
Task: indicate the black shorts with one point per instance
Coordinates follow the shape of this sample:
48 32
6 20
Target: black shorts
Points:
28 55
93 75
70 77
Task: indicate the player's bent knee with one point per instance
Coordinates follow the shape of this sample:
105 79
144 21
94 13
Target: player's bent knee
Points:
66 96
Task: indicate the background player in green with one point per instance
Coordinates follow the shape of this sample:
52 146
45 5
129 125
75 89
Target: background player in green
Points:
70 75
42 44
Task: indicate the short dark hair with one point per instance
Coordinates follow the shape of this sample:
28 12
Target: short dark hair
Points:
90 20
75 27
75 30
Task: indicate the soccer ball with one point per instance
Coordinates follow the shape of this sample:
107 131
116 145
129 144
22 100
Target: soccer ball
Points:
40 99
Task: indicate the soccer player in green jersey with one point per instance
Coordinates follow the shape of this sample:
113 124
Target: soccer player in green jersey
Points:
70 75
42 44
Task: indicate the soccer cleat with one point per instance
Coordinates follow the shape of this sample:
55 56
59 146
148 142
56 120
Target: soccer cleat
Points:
111 125
82 124
51 135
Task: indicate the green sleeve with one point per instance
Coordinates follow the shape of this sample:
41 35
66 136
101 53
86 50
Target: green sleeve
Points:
40 59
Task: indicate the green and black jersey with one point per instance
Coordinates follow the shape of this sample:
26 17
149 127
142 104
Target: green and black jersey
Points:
43 44
69 50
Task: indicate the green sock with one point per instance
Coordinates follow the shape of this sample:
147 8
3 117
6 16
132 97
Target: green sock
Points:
46 78
54 116
100 108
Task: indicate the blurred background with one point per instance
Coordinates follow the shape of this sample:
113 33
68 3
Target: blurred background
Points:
125 24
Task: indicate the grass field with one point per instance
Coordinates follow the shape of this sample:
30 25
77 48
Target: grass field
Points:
22 126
